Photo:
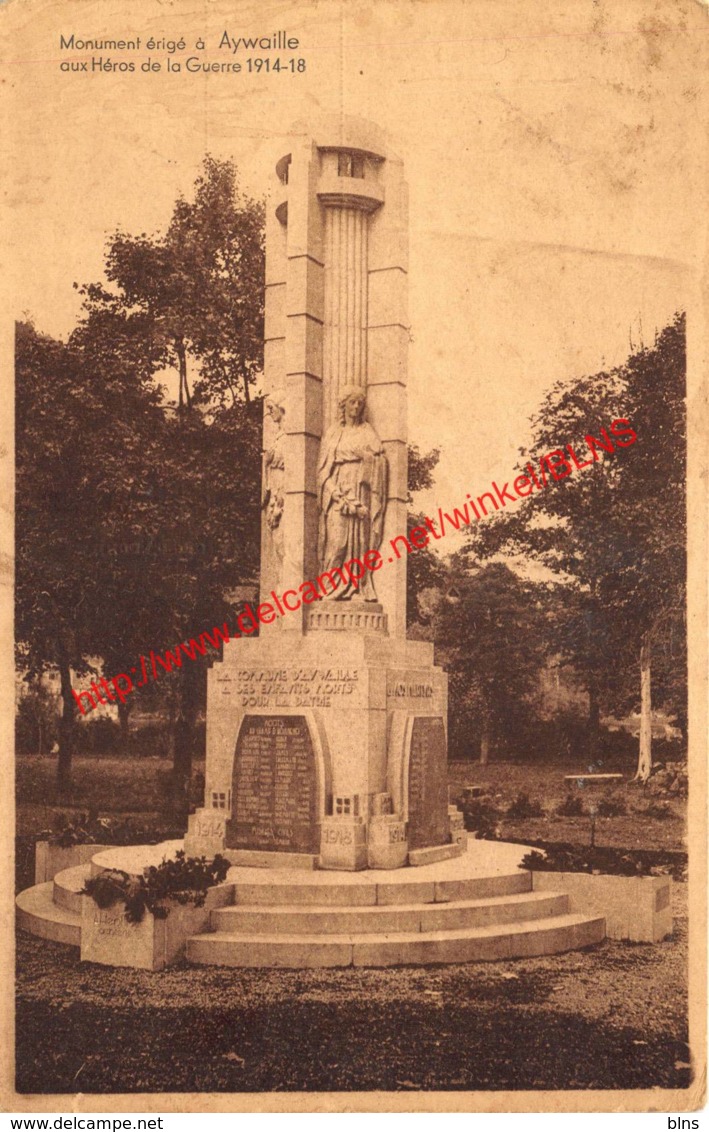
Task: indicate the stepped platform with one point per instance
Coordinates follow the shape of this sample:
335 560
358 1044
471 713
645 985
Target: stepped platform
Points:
479 906
38 914
393 949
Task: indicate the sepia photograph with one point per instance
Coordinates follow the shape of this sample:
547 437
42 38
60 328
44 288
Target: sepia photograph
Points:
355 571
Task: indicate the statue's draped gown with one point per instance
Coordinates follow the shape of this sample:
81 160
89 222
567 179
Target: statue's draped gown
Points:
352 477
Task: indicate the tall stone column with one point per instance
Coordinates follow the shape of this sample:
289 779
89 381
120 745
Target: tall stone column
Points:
346 282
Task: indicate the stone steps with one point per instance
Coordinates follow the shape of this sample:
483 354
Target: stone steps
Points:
294 919
37 913
522 939
360 892
68 885
477 907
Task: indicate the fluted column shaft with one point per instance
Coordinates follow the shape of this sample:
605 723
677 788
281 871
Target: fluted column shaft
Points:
345 322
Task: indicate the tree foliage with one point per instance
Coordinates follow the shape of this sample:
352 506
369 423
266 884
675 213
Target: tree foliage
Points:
79 444
133 521
614 533
424 569
491 631
196 291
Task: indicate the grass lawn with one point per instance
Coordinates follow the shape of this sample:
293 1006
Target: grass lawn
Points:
109 784
545 784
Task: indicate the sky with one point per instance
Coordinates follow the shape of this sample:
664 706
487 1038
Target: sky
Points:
550 156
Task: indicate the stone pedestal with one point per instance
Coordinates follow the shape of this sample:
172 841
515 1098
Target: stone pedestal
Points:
456 823
206 833
387 846
343 843
310 738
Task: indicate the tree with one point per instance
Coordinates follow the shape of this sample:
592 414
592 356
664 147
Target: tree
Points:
134 523
77 444
207 543
614 533
424 569
36 719
196 291
652 505
491 633
192 512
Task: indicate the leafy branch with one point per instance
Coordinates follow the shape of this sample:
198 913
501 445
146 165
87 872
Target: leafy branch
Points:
184 880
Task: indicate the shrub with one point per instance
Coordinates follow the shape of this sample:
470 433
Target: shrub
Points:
660 810
185 880
524 807
80 829
109 887
90 829
482 817
99 736
571 807
151 740
564 858
669 779
36 722
611 807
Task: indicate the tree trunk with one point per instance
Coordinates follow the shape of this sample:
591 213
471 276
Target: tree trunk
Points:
645 754
594 714
171 725
124 724
66 728
594 720
180 400
485 742
191 681
182 759
182 361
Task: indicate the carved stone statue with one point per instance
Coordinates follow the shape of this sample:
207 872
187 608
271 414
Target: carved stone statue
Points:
352 492
274 474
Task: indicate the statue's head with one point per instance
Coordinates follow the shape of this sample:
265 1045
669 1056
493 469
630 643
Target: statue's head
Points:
351 403
276 405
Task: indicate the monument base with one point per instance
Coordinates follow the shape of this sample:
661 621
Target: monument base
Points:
387 848
346 846
327 746
481 905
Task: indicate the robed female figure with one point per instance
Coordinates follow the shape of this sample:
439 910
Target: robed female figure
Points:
352 489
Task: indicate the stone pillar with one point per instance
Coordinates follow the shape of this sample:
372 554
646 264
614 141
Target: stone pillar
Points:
345 326
387 370
274 365
298 254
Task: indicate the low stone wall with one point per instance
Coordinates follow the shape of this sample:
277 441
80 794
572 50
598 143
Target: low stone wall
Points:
108 938
52 859
635 908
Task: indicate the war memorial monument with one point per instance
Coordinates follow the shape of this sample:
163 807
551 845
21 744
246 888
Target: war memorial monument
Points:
326 767
326 734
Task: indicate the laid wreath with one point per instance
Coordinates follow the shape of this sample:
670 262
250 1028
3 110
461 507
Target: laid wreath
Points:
185 880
